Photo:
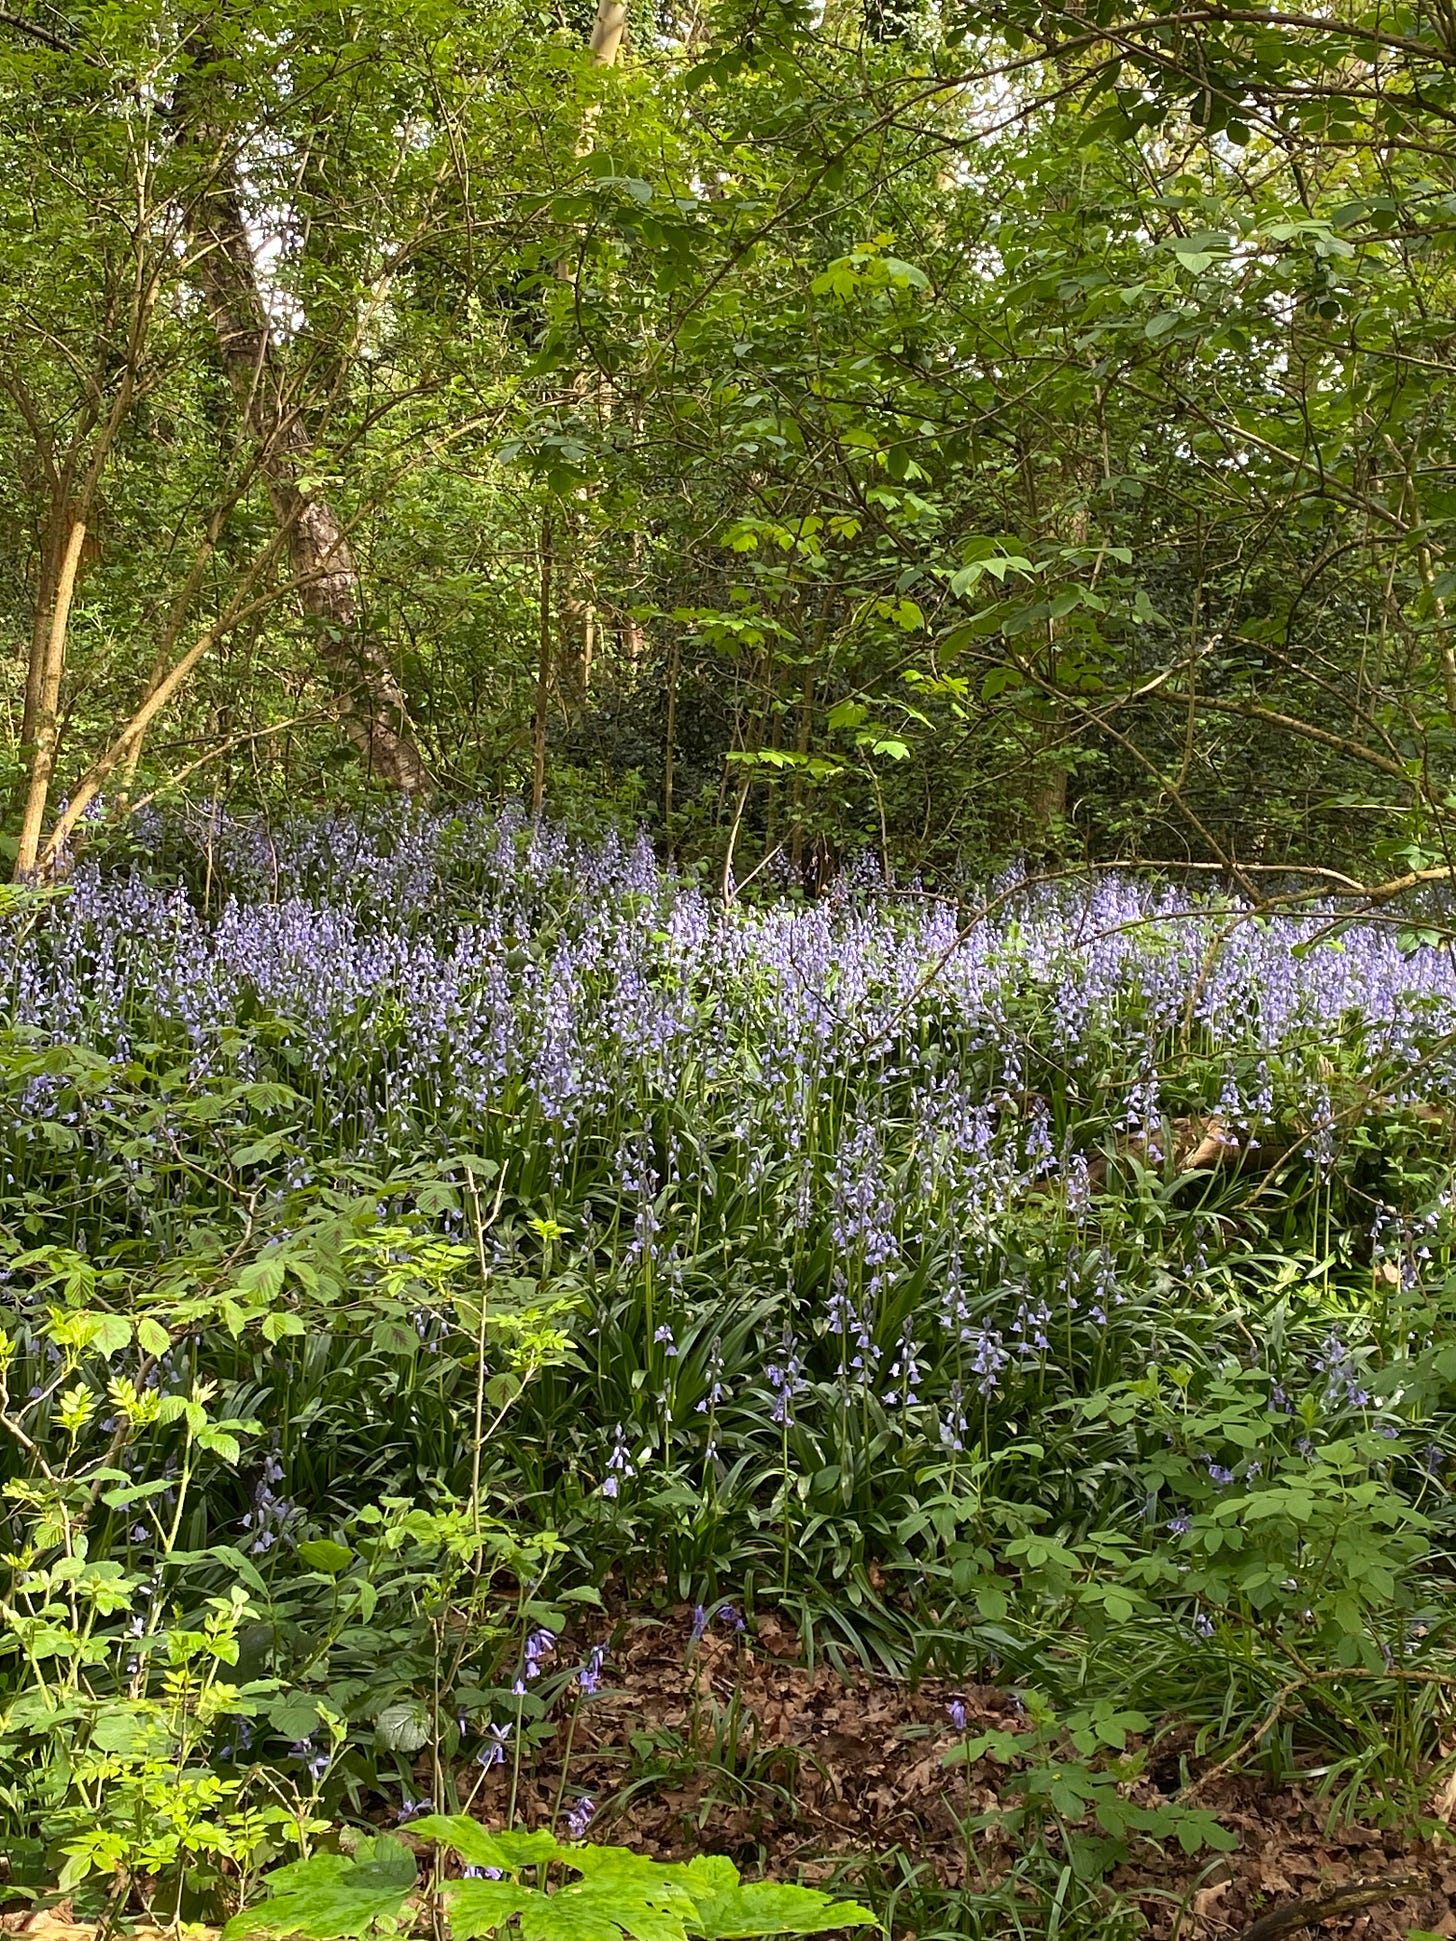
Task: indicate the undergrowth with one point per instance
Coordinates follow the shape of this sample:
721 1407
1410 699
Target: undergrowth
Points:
413 1229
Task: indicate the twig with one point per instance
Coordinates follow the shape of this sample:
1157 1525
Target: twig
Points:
1398 1673
1295 1915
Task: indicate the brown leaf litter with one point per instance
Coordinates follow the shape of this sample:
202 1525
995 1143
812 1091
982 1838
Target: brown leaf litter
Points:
731 1744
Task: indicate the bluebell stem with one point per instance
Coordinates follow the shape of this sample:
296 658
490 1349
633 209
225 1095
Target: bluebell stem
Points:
905 1370
717 1392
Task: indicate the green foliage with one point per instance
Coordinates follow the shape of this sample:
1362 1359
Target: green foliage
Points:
1073 1779
1109 489
616 1893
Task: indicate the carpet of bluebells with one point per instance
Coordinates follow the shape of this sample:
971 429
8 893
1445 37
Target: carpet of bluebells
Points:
878 1284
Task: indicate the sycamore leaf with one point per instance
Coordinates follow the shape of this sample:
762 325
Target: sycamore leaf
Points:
332 1896
479 1847
478 1907
773 1907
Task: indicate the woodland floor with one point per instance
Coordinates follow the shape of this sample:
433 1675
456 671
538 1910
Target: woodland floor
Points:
825 1768
830 1767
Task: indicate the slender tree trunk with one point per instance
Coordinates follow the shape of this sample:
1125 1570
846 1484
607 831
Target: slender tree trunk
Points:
371 705
578 609
607 32
669 750
44 733
543 676
806 728
52 551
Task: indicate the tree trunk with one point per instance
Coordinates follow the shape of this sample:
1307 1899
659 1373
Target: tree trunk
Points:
543 677
372 708
44 675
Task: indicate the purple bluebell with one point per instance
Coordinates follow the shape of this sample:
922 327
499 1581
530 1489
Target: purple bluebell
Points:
619 1464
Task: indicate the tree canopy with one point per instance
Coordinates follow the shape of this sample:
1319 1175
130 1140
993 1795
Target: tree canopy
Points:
1000 430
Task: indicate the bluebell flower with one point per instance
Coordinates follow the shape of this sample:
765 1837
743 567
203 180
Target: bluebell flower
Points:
786 1381
493 1752
619 1464
540 1644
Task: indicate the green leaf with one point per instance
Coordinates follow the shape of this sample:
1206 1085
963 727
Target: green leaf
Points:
332 1896
479 1847
771 1907
1197 1828
152 1337
294 1716
477 1907
111 1334
322 1553
403 1727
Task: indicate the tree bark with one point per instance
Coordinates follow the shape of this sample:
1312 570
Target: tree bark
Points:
543 677
371 704
42 725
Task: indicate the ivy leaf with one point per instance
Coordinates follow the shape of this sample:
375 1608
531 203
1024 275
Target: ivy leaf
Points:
332 1895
